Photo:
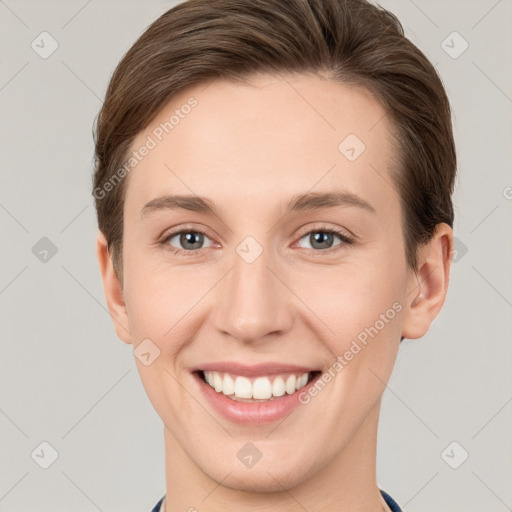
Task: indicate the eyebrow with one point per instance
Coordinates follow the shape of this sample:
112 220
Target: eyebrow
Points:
300 202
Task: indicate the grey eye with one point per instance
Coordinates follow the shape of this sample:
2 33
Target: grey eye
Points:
320 239
188 240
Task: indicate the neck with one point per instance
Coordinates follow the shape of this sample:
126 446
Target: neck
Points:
346 483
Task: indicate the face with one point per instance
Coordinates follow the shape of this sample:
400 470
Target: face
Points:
270 272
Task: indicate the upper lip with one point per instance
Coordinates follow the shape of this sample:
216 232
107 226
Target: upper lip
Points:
271 368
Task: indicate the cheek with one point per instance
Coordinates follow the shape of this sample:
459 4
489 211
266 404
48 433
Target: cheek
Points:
353 298
364 314
161 302
163 306
359 309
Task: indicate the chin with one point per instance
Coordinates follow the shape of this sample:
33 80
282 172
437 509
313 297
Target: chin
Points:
262 482
273 474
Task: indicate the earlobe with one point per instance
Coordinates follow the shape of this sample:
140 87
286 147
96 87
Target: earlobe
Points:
429 284
113 290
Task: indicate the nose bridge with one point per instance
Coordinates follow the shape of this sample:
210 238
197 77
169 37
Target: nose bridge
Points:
251 305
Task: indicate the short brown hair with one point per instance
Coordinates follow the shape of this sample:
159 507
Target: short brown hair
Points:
351 41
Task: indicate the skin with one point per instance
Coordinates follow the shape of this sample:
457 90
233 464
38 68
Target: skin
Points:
249 148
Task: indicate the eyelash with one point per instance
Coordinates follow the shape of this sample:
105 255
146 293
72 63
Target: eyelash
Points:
345 239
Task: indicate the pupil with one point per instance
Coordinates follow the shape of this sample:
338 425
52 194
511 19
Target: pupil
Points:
320 238
188 238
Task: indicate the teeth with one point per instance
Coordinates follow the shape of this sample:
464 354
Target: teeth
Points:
278 386
217 382
243 387
228 385
260 388
290 384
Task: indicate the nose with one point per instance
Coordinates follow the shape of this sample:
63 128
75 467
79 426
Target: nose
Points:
252 302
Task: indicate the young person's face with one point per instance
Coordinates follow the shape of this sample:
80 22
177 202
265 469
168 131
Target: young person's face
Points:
305 300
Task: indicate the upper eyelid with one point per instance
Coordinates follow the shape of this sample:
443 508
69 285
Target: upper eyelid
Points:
338 230
307 230
171 232
174 231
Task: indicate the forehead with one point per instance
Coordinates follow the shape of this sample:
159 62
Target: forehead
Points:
270 138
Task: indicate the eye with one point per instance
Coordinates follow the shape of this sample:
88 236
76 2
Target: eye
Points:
322 239
190 241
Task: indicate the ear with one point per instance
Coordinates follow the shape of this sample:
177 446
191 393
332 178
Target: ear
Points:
113 290
429 284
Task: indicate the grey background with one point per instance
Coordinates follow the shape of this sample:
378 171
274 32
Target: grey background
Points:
66 379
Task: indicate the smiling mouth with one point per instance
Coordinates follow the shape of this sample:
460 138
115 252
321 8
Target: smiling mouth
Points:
256 389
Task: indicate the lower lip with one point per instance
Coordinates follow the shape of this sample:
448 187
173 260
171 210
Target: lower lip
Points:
255 413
